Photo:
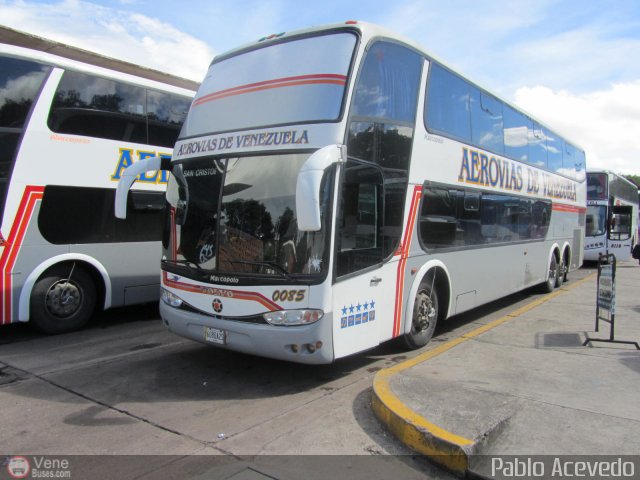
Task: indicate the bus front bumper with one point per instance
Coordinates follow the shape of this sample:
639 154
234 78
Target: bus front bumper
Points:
310 344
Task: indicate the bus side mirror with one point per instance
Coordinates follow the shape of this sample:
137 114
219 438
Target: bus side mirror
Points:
308 185
129 176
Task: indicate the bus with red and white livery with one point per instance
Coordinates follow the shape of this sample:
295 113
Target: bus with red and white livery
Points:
338 187
70 122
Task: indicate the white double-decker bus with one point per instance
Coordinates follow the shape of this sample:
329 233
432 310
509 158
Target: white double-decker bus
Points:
612 216
337 187
70 123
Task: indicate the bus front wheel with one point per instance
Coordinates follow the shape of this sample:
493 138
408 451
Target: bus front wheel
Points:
425 317
63 300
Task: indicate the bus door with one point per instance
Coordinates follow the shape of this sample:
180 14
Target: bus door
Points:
619 235
368 290
363 300
367 294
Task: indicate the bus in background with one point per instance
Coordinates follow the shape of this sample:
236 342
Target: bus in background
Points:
337 187
612 215
70 122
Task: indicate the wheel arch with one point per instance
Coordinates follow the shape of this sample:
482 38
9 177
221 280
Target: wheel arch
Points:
554 250
443 287
94 268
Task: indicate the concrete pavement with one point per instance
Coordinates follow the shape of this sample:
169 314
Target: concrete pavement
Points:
524 384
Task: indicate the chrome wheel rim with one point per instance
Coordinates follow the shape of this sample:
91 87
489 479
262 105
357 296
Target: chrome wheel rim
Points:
63 299
425 313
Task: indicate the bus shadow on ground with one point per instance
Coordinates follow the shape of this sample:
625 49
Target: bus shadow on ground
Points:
168 368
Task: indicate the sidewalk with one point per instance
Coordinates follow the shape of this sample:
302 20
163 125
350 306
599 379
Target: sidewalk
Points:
524 384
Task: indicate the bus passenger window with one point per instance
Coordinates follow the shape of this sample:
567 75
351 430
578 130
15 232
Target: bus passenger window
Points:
554 153
120 112
438 218
82 215
486 122
517 127
448 104
620 226
388 84
117 113
538 147
166 114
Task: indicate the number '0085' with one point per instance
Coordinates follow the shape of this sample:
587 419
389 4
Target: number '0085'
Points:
288 296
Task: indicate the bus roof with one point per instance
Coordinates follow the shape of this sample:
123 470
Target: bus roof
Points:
368 32
601 171
16 38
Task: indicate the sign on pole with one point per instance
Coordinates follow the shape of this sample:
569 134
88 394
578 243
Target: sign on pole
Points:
607 300
607 288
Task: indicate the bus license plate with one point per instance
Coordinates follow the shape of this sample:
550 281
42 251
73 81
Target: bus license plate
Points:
215 335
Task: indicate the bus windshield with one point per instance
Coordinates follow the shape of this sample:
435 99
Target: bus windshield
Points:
238 216
596 220
298 81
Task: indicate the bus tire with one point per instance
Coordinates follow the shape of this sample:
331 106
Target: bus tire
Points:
552 277
561 272
60 304
424 319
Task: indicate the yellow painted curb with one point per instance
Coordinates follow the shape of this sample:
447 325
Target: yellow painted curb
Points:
443 447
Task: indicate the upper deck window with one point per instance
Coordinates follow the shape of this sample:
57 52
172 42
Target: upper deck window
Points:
388 84
92 106
20 82
457 109
298 81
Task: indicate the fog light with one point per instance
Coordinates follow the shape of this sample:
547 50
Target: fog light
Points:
311 347
295 348
170 299
293 317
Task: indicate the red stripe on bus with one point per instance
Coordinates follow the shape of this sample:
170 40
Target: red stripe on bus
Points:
327 78
404 255
185 287
22 223
256 297
561 207
237 294
13 243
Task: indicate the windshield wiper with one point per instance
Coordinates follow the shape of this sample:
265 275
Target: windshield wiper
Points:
272 265
188 263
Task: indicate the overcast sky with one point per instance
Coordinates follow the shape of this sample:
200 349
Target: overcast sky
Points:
573 64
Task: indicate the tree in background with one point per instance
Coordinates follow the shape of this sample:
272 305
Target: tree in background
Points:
633 178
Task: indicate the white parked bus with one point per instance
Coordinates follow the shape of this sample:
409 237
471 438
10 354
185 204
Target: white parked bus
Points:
337 187
612 215
70 123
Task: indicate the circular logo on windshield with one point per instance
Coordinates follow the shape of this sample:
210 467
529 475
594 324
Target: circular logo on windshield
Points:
217 305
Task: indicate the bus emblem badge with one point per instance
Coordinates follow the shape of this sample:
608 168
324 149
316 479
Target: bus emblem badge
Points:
217 305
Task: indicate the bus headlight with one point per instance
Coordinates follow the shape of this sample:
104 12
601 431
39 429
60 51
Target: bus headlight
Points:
170 299
293 317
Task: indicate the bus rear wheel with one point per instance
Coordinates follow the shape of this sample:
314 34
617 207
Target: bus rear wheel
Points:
63 300
425 317
563 269
552 277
